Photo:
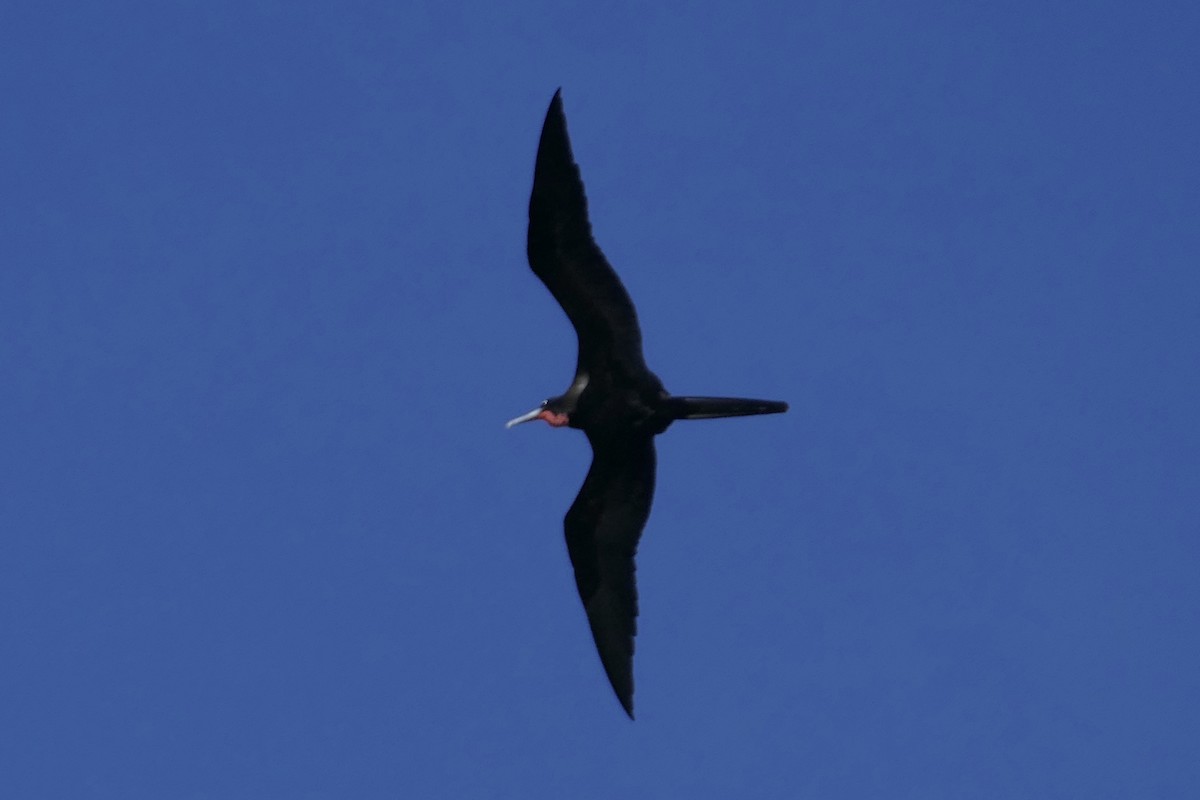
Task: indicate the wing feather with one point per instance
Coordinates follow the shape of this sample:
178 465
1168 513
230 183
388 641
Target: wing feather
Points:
563 254
603 527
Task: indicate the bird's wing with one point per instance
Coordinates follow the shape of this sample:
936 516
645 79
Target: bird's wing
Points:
603 527
563 254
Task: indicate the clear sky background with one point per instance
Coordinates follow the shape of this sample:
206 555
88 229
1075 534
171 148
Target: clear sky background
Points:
264 309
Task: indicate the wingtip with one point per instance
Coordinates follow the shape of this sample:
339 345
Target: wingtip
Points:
555 109
627 704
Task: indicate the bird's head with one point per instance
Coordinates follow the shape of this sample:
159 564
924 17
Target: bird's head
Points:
556 411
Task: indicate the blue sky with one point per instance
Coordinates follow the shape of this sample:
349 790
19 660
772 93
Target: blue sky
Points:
264 309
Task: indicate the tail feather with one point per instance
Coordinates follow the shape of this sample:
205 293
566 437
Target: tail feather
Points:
714 407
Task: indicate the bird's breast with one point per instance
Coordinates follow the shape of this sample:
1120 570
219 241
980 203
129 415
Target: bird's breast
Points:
614 410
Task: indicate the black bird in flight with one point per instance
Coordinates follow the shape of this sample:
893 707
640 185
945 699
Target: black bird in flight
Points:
615 399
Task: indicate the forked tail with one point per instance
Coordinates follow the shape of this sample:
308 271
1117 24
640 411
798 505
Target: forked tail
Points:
713 407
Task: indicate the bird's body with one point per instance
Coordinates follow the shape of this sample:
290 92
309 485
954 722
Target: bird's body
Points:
614 398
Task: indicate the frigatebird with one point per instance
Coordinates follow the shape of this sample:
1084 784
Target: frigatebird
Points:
614 398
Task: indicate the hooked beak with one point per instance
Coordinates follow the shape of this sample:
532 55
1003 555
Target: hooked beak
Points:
532 415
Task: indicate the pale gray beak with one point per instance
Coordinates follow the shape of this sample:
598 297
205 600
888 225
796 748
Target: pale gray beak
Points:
532 415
